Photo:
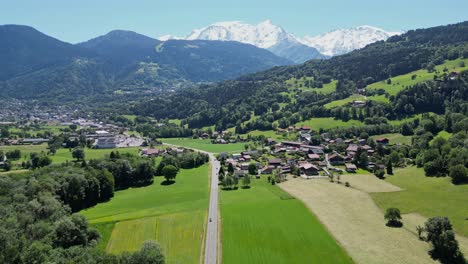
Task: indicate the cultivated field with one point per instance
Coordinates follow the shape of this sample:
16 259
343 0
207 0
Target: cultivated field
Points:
204 144
401 81
174 215
264 224
428 196
357 223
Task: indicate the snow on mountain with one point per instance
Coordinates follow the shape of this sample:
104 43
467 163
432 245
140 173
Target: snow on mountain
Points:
263 35
345 40
277 40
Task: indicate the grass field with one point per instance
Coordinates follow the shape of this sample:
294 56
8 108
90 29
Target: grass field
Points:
63 155
327 123
174 215
25 151
204 144
395 138
399 82
357 223
428 196
271 134
264 224
300 84
356 97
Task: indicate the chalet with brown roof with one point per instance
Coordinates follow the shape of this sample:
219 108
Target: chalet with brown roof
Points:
336 159
274 162
383 141
350 167
313 157
309 169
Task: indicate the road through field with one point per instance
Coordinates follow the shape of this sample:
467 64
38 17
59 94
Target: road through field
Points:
211 244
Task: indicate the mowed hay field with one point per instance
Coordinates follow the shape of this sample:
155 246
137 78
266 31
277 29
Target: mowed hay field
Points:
357 223
174 215
264 224
204 144
428 196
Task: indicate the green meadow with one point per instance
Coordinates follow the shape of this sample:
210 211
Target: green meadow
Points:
356 97
428 196
300 84
204 144
63 155
328 123
264 224
395 138
174 215
401 81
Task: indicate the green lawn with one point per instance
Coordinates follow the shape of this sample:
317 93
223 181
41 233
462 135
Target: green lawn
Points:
204 144
395 138
174 215
264 224
428 196
399 82
328 123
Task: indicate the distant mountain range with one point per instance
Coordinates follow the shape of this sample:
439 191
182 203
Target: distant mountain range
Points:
33 64
266 35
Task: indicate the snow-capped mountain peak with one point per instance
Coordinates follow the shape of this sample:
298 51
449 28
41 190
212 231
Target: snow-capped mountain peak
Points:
263 35
342 41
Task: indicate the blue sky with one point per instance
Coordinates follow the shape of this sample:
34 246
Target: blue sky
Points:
76 21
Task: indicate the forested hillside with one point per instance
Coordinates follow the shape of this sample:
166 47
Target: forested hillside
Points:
35 65
267 96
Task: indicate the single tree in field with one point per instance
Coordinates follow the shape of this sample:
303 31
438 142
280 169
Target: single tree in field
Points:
389 167
246 181
78 154
221 177
228 182
170 172
393 217
221 170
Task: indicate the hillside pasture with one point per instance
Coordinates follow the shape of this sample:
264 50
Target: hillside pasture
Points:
395 138
401 81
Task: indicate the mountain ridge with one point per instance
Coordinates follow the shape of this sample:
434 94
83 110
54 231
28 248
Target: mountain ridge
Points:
267 35
34 63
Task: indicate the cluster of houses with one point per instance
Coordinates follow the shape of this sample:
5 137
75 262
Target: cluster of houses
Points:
310 161
222 137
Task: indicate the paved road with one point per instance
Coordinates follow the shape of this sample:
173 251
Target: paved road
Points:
211 245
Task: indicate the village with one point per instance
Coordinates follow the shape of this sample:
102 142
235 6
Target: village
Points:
307 160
